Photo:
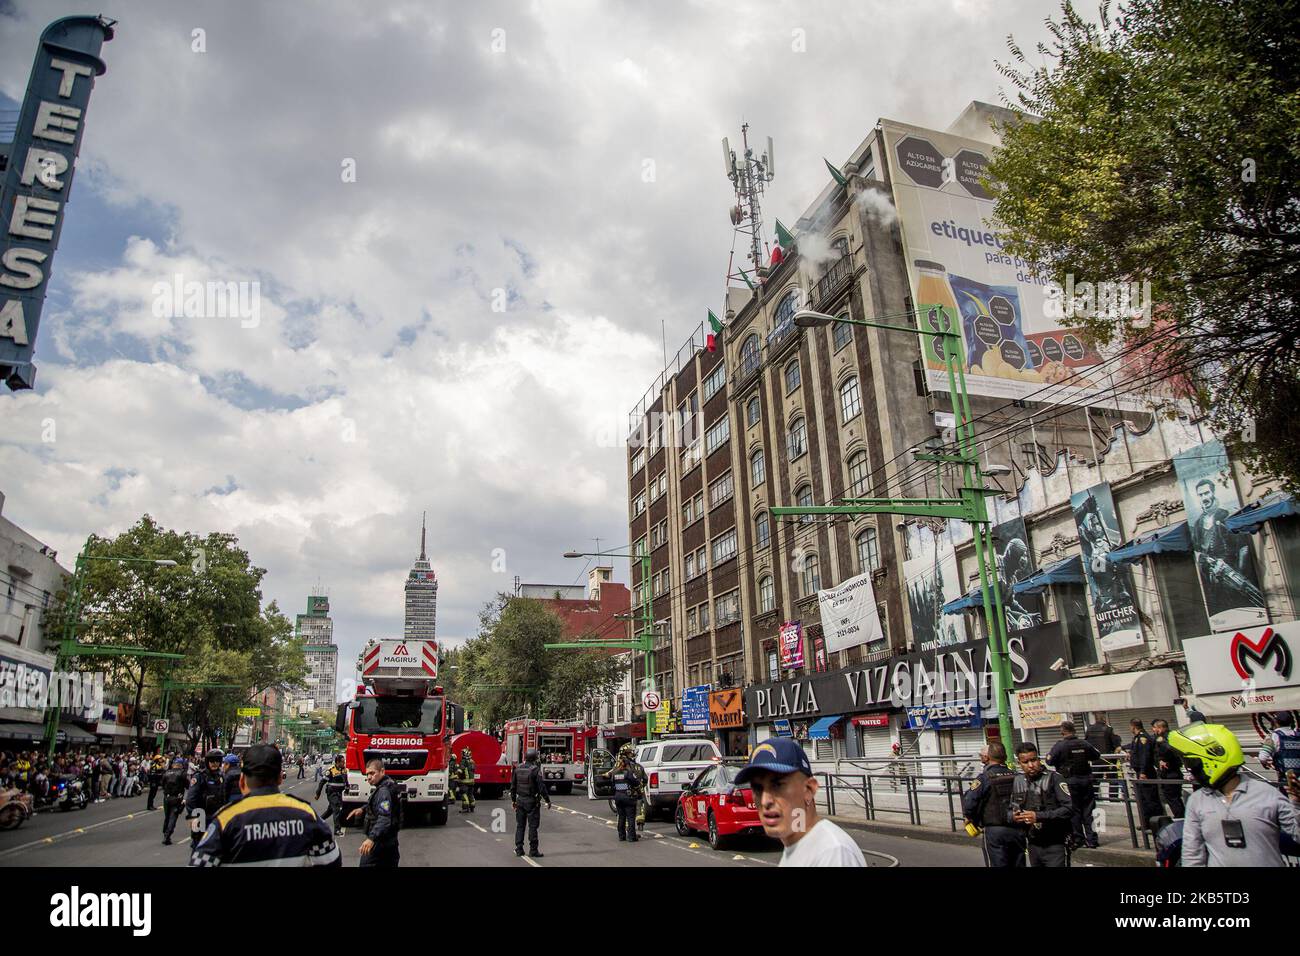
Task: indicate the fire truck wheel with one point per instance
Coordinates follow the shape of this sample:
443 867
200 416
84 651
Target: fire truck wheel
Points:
438 815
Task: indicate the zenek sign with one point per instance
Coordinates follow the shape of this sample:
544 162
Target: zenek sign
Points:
39 178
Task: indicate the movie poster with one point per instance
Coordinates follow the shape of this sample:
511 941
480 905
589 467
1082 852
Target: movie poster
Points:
932 581
1016 563
1223 559
1111 585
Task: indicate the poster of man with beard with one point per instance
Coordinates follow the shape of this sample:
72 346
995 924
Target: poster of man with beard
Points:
1016 563
1110 584
1223 558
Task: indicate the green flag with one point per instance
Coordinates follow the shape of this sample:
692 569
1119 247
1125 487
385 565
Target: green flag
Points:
783 237
745 276
714 322
835 173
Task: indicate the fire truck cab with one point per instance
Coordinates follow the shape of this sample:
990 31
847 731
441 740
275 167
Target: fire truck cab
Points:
562 746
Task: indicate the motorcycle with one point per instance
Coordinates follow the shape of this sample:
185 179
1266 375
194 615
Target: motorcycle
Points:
15 807
70 794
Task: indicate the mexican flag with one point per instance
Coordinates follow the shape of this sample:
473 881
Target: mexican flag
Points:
711 341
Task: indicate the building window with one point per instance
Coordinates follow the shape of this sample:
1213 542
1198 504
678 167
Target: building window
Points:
773 673
690 566
638 504
726 609
704 617
785 311
638 460
752 412
690 456
797 443
803 499
792 376
757 468
717 435
749 356
724 547
812 580
766 593
1180 597
868 551
858 475
842 333
762 530
721 490
850 401
717 378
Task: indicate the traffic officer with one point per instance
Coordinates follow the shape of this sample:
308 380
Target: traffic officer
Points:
466 771
527 790
207 795
334 782
987 806
1074 759
230 774
157 767
1040 805
1142 758
1169 766
383 818
627 793
174 784
266 827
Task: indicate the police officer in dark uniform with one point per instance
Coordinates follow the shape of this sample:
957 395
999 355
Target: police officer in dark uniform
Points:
207 795
231 773
527 790
1040 805
266 827
1142 757
987 805
383 818
174 784
1169 766
157 767
334 783
1074 759
627 792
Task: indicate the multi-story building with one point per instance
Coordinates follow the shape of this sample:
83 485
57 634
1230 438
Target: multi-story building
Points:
784 415
421 597
316 629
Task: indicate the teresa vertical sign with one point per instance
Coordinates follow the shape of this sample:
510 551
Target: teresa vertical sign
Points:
39 178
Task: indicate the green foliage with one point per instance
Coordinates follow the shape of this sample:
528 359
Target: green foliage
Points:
1168 150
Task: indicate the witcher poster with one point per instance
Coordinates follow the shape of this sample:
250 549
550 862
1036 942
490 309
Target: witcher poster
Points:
1110 585
1015 563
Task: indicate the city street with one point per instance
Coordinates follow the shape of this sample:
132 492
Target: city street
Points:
577 832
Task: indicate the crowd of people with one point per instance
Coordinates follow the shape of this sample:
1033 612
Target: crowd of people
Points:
105 776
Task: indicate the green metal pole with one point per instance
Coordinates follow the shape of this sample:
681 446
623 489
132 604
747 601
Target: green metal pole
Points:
647 636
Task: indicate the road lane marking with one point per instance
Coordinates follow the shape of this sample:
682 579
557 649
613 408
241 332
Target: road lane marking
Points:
61 836
476 826
530 861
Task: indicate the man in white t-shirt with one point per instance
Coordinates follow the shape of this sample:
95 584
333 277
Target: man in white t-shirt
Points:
786 794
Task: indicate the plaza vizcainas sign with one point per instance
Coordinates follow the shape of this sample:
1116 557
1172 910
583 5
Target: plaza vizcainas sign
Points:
961 672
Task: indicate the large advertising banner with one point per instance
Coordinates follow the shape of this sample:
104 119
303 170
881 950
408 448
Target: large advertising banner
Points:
849 614
1015 564
932 581
1223 559
956 264
1111 585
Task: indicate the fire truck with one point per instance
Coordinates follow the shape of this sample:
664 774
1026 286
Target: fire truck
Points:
491 773
562 746
400 715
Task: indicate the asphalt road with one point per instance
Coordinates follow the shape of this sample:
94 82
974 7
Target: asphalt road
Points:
576 832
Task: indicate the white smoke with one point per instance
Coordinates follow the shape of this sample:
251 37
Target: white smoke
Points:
877 205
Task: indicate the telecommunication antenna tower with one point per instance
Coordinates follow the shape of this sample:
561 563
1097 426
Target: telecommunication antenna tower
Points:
749 174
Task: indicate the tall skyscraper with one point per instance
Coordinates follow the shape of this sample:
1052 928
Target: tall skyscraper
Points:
317 629
421 596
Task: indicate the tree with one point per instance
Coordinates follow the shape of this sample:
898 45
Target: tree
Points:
1166 150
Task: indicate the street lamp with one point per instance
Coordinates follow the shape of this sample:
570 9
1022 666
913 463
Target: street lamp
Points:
644 641
969 506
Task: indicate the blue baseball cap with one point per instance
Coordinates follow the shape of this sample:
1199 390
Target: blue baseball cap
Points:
778 755
230 758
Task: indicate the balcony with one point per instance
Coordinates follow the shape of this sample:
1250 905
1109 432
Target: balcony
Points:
830 284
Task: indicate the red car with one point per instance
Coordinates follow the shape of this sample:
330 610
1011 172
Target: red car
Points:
713 804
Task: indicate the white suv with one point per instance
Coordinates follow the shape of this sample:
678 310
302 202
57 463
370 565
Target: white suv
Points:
671 763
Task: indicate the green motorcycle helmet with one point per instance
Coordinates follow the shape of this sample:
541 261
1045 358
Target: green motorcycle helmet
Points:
1210 751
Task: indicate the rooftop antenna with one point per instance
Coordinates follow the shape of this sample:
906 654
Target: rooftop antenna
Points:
423 514
749 175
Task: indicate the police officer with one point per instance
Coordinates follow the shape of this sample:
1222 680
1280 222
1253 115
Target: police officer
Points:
1040 805
987 805
207 795
157 767
174 784
266 827
1142 758
527 790
383 818
230 774
1169 766
627 792
334 782
466 781
1281 751
1074 759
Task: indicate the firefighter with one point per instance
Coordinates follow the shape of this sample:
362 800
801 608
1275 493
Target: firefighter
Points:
334 782
266 827
527 790
628 789
383 818
453 777
174 784
207 795
157 767
466 781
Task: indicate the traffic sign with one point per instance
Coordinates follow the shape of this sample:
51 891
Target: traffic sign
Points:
160 726
650 700
249 711
324 733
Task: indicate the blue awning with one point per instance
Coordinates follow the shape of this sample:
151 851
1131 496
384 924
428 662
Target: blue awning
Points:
822 729
1068 571
1252 517
971 599
1173 538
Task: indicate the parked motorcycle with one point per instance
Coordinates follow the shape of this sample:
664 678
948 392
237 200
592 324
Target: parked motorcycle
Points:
15 807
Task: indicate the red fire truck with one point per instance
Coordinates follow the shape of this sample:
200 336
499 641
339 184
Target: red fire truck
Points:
400 715
491 773
561 744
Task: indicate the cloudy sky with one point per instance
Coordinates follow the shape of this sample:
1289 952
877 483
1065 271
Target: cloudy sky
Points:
500 154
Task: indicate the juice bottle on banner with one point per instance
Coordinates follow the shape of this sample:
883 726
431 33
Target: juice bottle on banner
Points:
934 294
